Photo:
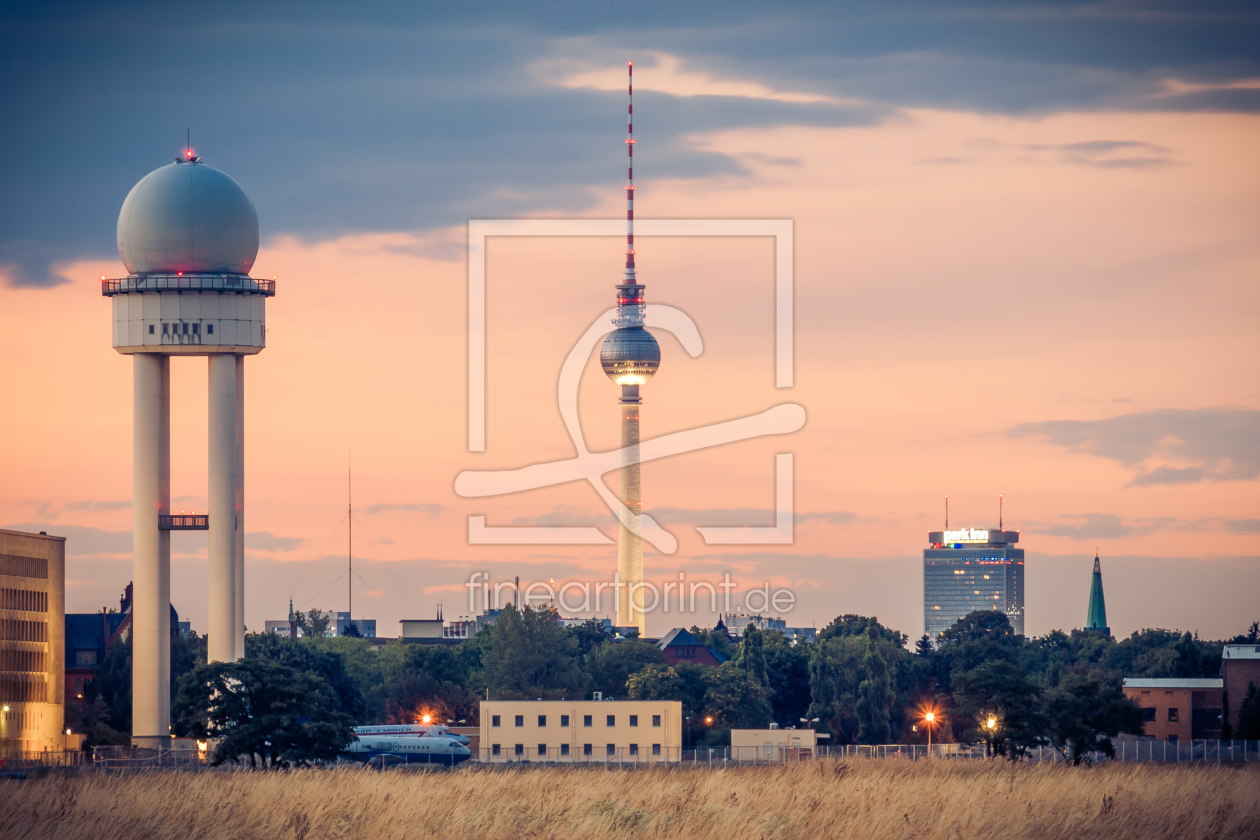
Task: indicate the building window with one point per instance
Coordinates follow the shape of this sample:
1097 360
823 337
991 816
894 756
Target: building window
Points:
196 329
520 720
185 329
611 749
542 720
494 720
656 720
586 749
165 328
210 329
494 750
542 750
520 749
656 749
634 720
564 720
564 749
1148 714
634 749
1172 713
612 720
150 329
586 720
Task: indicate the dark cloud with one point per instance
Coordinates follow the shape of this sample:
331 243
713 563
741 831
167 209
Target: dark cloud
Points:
1109 154
1109 526
1207 444
399 116
384 507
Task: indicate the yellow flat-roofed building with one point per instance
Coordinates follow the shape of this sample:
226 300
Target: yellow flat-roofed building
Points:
772 744
625 731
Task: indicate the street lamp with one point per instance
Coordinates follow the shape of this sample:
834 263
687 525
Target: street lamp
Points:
929 720
687 738
990 726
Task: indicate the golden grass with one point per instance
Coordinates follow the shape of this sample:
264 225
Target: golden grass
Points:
864 800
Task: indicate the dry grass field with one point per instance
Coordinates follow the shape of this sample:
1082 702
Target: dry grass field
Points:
864 800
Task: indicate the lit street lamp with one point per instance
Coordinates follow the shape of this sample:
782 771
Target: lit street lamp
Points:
929 720
990 726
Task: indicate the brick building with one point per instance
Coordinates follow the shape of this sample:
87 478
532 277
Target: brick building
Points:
1240 668
680 646
1178 709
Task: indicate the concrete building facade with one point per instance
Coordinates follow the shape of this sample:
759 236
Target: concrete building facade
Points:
32 642
772 744
629 731
1178 709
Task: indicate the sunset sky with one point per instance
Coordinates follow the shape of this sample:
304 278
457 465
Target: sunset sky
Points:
1027 254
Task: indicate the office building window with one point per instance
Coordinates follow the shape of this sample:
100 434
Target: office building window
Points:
1172 713
634 749
586 720
494 720
611 749
542 720
656 720
586 749
520 720
494 749
656 749
520 749
612 720
542 750
564 749
564 720
634 720
210 328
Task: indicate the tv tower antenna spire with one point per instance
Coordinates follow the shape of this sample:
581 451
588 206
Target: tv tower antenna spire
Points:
630 276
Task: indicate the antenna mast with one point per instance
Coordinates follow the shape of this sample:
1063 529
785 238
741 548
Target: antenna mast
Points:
999 511
350 546
630 179
947 513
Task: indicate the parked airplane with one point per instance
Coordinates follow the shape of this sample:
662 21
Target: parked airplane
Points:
411 750
412 730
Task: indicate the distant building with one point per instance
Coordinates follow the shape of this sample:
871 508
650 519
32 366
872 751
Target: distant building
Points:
337 624
1096 616
971 569
32 642
1240 668
90 636
773 744
734 624
679 645
629 731
1178 709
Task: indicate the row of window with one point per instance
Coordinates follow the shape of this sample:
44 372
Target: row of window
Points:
16 630
587 720
19 566
1148 714
587 750
32 661
17 690
23 599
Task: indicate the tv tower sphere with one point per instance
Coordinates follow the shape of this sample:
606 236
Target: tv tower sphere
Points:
188 235
630 355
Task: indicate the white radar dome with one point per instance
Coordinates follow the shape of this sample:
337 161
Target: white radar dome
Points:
187 217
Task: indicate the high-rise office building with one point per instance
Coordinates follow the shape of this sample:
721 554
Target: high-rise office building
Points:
972 569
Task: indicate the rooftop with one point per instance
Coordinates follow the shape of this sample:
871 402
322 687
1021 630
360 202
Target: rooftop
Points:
1174 682
1241 652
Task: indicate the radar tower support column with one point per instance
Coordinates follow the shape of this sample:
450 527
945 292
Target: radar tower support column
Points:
223 622
151 550
240 506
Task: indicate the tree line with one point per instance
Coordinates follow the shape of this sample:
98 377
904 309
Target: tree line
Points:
859 682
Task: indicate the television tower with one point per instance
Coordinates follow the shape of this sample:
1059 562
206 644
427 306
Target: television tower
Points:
188 235
630 356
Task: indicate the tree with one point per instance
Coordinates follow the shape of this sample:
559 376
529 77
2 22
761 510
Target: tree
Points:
860 625
313 624
822 687
414 680
610 665
270 714
1249 715
654 682
751 658
1004 691
590 634
787 668
974 639
735 700
531 655
1084 714
875 695
352 631
326 657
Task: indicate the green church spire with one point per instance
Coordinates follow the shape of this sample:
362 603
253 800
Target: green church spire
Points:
1097 617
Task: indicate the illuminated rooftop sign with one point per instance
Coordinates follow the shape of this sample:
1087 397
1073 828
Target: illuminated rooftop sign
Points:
966 535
